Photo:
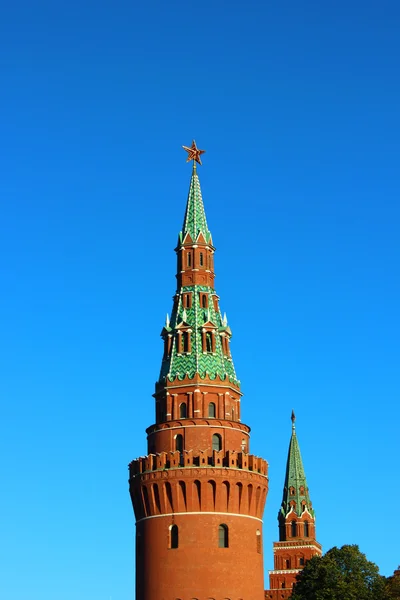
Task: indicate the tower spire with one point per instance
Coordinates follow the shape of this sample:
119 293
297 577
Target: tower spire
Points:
295 491
197 337
296 518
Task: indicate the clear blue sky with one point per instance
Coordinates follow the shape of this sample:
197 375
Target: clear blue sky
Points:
297 105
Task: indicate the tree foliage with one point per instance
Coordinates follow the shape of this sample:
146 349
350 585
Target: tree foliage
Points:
393 586
341 574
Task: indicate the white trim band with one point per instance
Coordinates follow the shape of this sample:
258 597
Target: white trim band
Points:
198 513
198 426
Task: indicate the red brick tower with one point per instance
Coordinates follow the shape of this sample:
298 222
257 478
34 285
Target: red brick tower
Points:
297 542
199 494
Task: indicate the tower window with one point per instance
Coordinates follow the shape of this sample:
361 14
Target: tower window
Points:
301 561
201 259
306 529
183 410
208 341
287 563
179 443
189 259
258 536
211 410
216 442
204 301
223 536
293 528
185 341
173 536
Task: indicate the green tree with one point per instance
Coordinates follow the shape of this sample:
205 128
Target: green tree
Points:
393 585
341 574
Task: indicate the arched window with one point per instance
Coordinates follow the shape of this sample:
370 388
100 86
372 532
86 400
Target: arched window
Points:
211 410
223 536
258 536
179 443
293 527
216 442
204 301
173 536
182 410
201 259
208 341
287 563
306 529
301 561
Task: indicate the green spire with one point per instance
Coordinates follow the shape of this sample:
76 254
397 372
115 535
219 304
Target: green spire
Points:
198 317
195 217
295 491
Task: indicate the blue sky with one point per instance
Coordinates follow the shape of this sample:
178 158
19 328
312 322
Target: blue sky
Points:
297 106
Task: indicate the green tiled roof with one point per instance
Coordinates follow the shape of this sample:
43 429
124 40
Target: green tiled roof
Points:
188 364
295 488
195 217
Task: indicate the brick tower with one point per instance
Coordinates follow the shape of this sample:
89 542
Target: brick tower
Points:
296 518
198 495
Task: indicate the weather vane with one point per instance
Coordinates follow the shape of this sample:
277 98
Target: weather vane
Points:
193 153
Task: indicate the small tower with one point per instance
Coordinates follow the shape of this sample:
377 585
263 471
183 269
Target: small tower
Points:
198 494
297 543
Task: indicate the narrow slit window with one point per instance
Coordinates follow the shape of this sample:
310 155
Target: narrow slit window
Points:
293 528
208 342
306 529
183 410
174 536
185 341
223 536
179 443
258 535
201 259
204 301
189 259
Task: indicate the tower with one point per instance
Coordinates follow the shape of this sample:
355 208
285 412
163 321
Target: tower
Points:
296 518
198 495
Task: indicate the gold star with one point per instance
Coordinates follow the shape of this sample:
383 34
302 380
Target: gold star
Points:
193 153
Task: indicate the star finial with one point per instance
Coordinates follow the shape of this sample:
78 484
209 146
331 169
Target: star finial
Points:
193 153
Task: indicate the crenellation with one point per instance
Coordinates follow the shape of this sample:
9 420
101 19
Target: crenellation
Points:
190 458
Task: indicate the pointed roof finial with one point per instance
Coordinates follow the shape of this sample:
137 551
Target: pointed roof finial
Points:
293 419
193 153
167 321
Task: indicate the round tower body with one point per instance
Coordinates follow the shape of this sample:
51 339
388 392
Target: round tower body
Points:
198 495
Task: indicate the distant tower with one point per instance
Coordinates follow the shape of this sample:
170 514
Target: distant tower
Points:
296 518
199 494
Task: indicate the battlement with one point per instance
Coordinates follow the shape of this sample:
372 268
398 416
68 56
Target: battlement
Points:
190 458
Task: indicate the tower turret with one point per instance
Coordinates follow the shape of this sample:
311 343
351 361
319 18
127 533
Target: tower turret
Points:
199 494
296 518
